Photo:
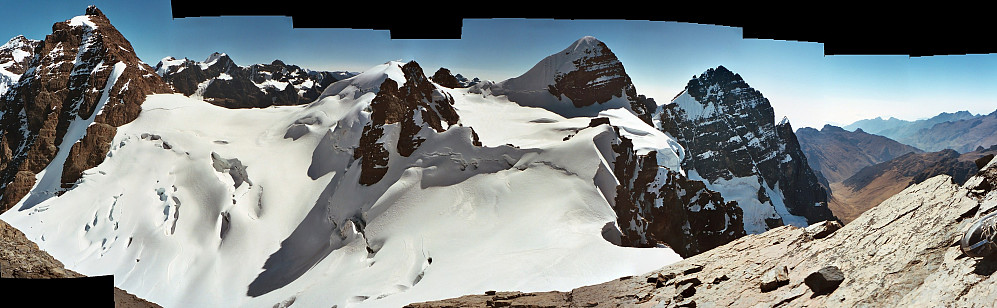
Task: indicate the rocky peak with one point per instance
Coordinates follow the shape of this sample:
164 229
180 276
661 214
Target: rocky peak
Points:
733 143
444 78
828 128
587 74
92 10
414 105
657 206
15 57
50 116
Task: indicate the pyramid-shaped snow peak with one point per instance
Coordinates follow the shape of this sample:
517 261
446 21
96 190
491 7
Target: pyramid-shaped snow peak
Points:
580 80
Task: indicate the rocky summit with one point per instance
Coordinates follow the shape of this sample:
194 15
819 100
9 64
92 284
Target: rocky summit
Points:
83 83
581 80
903 253
732 141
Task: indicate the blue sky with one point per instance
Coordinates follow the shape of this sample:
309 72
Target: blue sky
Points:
660 57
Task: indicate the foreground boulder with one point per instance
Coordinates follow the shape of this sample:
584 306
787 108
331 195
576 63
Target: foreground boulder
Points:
902 253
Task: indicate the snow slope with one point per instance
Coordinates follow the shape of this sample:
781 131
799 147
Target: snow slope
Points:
201 206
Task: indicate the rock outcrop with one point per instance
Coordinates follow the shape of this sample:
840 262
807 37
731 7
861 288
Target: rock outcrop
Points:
655 205
218 80
414 105
444 78
84 81
903 253
732 141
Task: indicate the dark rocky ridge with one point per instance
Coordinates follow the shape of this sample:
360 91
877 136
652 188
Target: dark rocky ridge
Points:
739 138
256 86
395 104
917 167
57 90
444 78
655 205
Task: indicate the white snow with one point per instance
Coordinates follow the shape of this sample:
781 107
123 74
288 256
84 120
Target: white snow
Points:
744 190
82 20
167 64
367 82
779 203
270 83
449 220
211 60
694 109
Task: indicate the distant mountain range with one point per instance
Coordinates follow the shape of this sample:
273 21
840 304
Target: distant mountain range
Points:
218 80
838 154
961 131
862 169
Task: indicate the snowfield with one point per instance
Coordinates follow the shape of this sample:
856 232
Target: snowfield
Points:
201 206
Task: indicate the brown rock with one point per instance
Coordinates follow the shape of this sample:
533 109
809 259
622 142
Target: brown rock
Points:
395 104
56 93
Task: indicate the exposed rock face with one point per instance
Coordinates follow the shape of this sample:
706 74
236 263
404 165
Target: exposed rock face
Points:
838 154
15 56
84 72
875 183
218 80
587 74
442 77
417 104
657 205
902 253
732 141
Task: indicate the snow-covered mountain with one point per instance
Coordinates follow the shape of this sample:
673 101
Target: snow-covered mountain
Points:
220 81
733 143
581 80
15 56
388 187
